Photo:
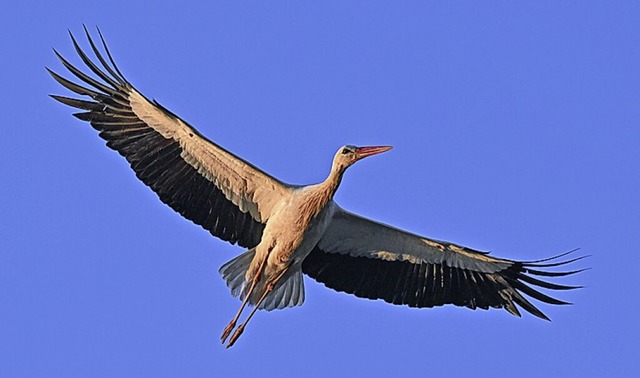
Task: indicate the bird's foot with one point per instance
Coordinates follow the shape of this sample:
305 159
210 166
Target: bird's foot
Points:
235 336
227 331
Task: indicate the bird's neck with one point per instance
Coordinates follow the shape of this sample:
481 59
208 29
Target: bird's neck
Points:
331 184
318 196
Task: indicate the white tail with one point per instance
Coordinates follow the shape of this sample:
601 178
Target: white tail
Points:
288 293
234 271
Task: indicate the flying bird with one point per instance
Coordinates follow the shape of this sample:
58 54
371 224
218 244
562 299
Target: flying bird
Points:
290 230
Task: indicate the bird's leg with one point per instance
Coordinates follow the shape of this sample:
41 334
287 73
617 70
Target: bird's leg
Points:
254 282
270 286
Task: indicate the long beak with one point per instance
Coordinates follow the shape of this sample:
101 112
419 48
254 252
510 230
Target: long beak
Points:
363 152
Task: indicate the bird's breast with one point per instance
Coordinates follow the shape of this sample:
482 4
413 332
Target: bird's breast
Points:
294 230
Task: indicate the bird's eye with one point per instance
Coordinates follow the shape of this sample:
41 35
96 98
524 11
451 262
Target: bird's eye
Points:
345 151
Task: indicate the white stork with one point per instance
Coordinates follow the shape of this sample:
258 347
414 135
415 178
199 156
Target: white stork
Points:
290 230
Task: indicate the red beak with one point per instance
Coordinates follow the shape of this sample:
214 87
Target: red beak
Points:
363 152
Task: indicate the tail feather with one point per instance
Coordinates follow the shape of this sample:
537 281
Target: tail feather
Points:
234 271
288 292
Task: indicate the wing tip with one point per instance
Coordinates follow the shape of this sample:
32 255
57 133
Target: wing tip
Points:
523 281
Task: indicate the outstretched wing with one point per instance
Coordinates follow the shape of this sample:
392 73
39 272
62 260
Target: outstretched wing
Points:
375 261
205 183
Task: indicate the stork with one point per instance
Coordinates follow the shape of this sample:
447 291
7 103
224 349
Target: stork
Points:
287 229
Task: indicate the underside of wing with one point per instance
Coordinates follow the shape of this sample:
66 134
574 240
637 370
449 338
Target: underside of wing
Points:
205 183
375 261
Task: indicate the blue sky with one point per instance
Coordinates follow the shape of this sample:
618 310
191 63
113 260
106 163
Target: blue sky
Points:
515 129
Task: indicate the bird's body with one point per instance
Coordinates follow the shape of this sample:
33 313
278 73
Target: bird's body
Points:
287 229
296 226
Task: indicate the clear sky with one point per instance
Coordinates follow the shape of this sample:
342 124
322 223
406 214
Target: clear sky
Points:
515 127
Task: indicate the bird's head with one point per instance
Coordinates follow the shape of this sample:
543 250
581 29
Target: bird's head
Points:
347 155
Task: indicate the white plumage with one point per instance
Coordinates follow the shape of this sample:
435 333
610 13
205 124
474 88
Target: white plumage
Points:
290 230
